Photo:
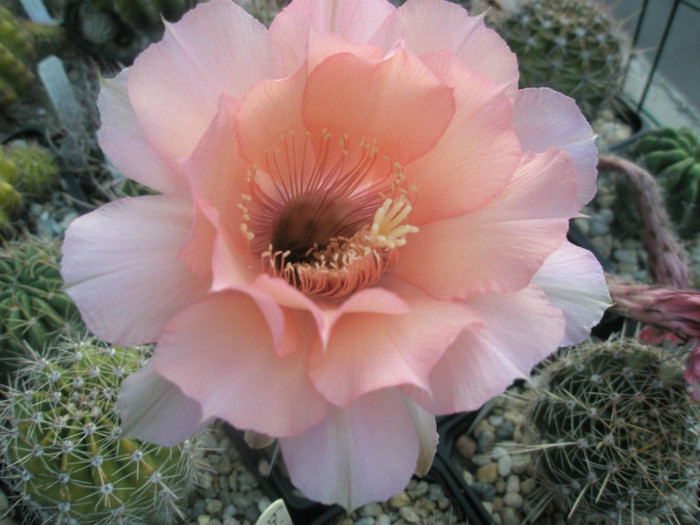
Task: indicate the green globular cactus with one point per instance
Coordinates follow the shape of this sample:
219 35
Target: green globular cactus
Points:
618 430
15 48
27 171
571 46
63 449
33 309
143 14
673 156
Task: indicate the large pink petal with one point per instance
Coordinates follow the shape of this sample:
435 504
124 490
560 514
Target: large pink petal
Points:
120 266
155 410
174 86
125 143
437 25
428 438
500 246
574 282
220 352
544 118
369 351
361 453
522 329
477 155
354 20
398 102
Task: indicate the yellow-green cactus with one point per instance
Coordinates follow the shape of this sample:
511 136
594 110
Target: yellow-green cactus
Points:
15 48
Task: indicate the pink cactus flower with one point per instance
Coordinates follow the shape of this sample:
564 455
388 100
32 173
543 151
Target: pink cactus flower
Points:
361 223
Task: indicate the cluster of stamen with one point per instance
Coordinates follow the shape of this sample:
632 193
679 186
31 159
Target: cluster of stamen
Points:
329 229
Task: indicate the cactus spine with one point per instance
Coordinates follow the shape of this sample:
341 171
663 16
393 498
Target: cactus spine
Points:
618 430
568 45
64 452
32 306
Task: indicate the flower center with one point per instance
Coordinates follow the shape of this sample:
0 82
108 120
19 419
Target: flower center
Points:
328 227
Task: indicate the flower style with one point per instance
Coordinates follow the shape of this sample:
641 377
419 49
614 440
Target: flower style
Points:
361 224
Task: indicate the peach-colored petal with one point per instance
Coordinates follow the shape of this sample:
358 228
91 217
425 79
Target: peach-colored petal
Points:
120 266
175 85
369 300
354 20
424 423
155 410
477 155
126 145
438 25
347 95
521 330
369 351
220 352
357 454
574 282
502 245
544 118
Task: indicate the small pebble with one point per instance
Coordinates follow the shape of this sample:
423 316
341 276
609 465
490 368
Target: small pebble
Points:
203 519
466 446
513 499
214 506
409 515
505 465
400 500
484 491
513 484
370 510
487 473
485 440
384 519
520 462
527 485
509 516
505 431
365 521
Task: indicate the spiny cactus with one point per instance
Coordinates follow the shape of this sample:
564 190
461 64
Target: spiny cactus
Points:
673 156
32 306
619 432
63 449
15 47
569 45
27 171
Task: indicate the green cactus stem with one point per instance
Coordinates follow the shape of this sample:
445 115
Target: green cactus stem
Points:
64 452
15 48
571 46
618 432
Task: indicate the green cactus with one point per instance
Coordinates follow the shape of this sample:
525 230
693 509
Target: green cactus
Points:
618 430
143 14
571 46
33 309
15 48
64 452
673 156
27 171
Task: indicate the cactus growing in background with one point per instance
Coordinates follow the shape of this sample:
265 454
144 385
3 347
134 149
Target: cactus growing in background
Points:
63 452
27 171
620 431
571 46
673 156
15 47
32 306
143 14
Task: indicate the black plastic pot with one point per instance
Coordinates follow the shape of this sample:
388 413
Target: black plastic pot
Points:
466 505
625 113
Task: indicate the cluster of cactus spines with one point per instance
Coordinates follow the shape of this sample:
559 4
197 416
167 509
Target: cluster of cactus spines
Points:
143 14
33 309
63 450
619 432
15 47
27 171
673 156
572 46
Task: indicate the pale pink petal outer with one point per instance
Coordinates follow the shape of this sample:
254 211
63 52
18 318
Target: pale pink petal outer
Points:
397 101
220 352
370 351
478 153
124 142
155 410
354 20
522 329
174 85
574 282
361 453
544 118
438 25
500 246
120 266
426 428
